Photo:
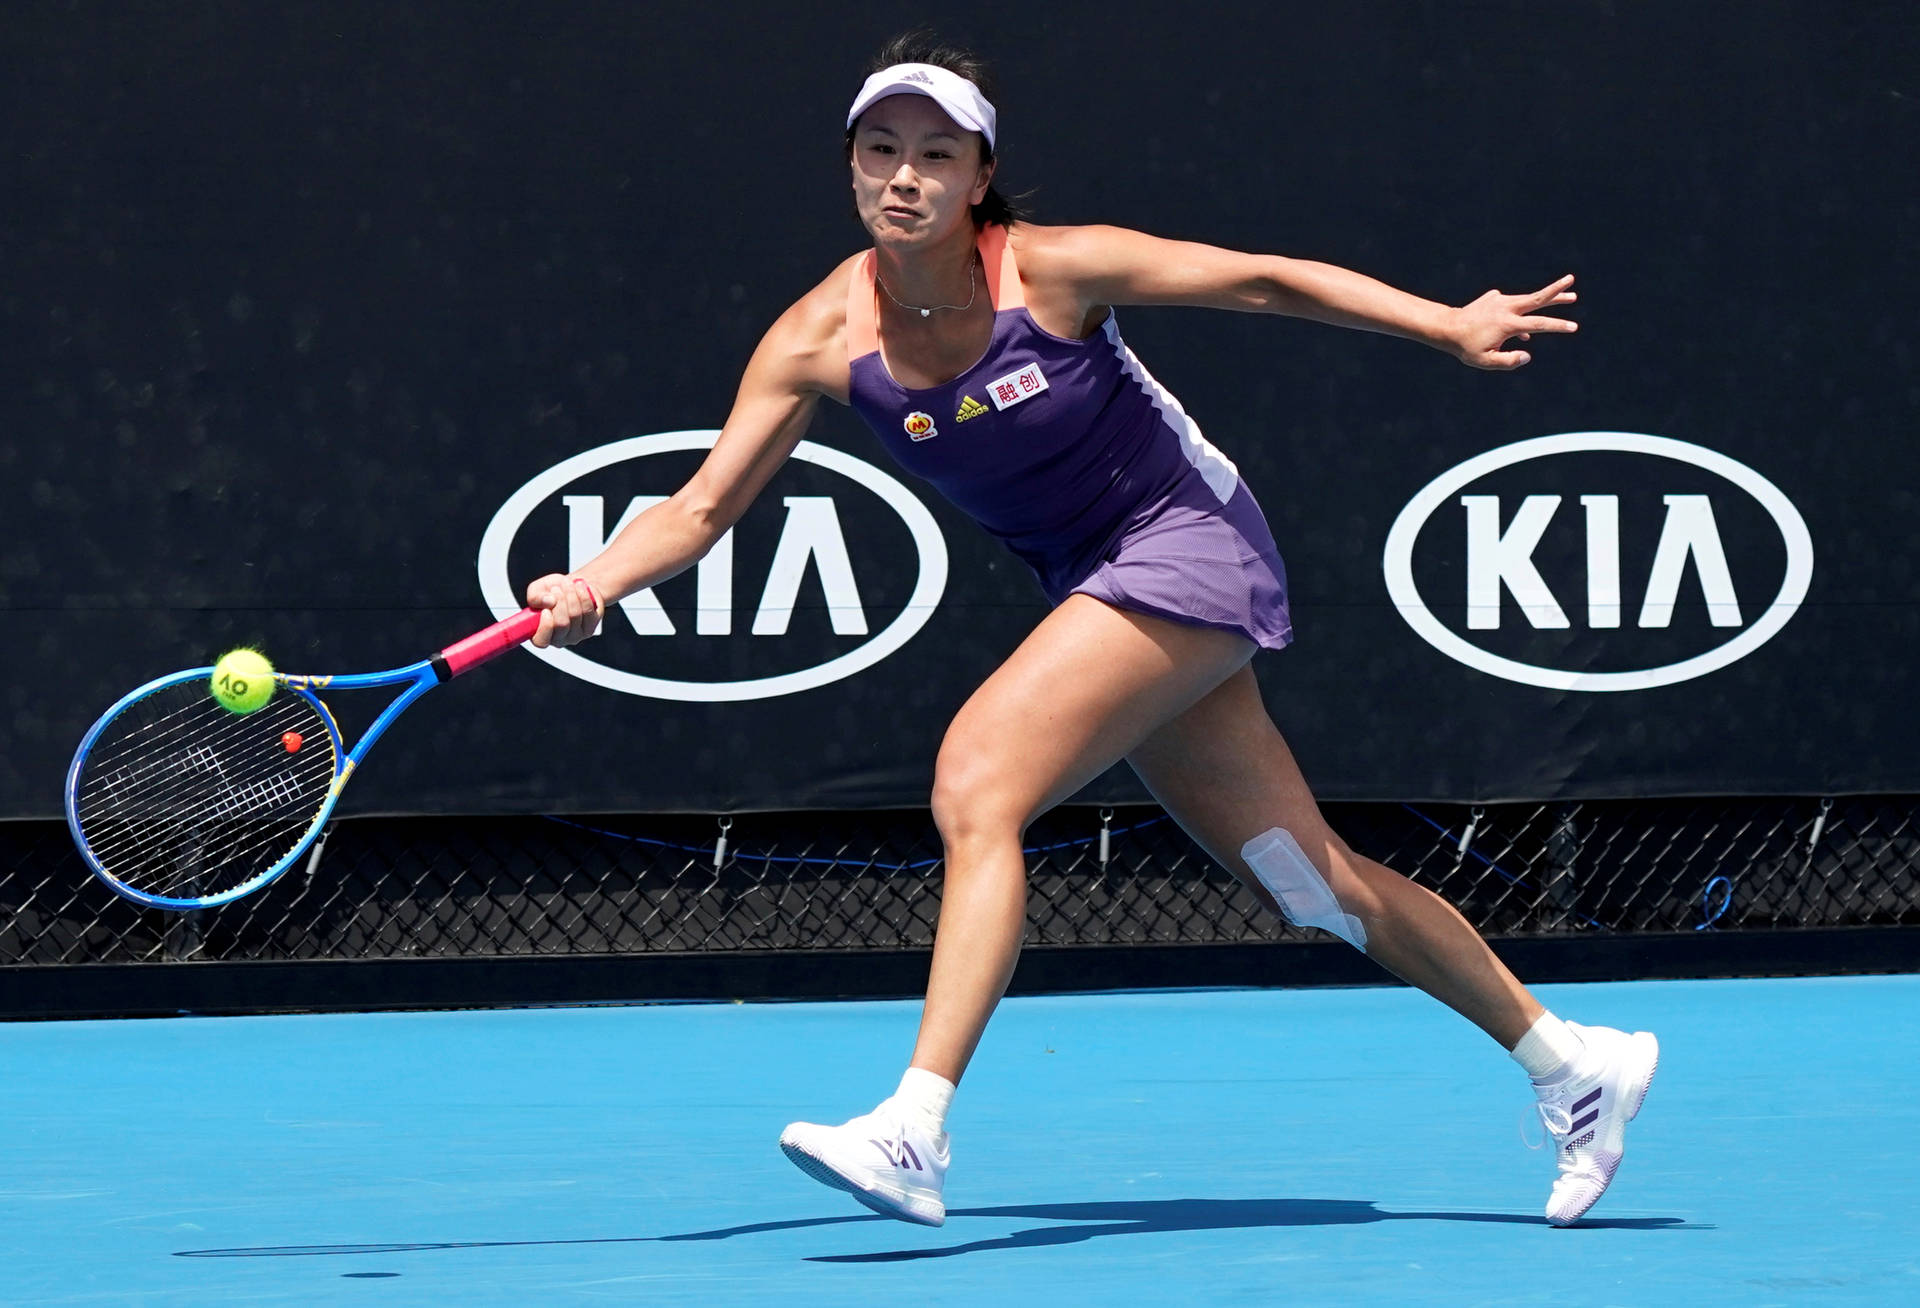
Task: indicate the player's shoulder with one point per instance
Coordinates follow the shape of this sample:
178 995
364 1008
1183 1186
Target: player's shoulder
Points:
818 317
821 313
807 344
1046 253
1053 244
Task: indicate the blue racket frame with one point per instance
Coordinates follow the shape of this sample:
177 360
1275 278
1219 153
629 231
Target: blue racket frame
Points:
419 678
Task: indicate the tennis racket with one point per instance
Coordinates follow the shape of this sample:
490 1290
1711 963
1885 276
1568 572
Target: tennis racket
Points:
176 802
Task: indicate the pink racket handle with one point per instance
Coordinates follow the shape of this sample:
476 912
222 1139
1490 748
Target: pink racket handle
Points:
495 640
490 643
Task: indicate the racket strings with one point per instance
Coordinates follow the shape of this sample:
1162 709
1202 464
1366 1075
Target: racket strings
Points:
158 769
144 740
200 858
199 845
198 855
211 841
181 798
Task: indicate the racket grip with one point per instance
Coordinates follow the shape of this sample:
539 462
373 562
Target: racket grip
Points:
490 643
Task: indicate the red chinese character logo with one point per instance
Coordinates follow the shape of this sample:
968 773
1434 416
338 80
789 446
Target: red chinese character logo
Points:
1007 393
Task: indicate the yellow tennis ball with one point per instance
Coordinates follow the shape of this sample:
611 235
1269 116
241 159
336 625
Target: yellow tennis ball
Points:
242 681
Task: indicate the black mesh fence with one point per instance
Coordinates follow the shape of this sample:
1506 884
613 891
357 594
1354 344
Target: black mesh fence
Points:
532 886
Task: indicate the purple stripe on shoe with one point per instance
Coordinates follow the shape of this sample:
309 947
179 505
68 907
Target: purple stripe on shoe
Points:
1585 1122
1593 1097
898 1153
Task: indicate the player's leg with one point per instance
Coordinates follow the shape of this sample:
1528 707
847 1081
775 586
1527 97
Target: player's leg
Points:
1225 773
1085 688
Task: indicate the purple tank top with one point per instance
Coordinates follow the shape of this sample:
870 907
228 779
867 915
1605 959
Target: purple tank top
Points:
1055 446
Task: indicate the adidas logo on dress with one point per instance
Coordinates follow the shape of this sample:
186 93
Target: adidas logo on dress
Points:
969 408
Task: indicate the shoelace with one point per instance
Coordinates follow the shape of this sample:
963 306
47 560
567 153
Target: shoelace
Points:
1548 1110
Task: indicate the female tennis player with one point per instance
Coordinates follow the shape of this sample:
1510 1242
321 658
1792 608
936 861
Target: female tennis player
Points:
983 350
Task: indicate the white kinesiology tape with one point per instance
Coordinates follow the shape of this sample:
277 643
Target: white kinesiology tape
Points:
1305 897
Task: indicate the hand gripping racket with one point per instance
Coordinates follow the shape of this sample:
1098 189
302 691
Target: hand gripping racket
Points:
176 802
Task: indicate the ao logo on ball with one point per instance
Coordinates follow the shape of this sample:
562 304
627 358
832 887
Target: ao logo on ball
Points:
835 545
1606 549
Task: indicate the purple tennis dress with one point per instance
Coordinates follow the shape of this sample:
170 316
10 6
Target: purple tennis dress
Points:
1080 463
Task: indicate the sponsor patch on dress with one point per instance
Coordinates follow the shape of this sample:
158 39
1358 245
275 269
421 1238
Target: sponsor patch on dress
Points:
1017 386
920 426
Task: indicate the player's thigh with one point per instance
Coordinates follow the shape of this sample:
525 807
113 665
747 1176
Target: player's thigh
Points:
1083 689
1225 774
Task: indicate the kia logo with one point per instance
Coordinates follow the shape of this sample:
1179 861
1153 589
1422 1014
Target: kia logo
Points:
803 541
1622 557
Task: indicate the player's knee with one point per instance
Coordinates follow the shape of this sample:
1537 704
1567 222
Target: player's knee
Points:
971 800
1326 894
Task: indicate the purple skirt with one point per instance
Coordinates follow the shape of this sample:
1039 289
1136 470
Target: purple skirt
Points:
1192 559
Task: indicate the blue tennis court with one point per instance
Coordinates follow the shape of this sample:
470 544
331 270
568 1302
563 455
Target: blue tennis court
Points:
1174 1147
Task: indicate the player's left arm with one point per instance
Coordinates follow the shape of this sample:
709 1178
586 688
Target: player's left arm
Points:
1099 266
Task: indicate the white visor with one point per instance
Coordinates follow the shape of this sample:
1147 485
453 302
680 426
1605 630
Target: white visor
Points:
955 94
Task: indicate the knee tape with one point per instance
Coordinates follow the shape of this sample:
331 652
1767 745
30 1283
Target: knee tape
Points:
1305 897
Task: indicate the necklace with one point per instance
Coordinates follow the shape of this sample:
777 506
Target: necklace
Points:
972 290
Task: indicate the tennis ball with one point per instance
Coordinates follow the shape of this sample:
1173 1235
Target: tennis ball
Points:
242 681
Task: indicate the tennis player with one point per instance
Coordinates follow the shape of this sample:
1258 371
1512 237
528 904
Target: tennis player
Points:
984 352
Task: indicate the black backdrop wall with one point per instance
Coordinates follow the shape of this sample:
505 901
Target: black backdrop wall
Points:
303 307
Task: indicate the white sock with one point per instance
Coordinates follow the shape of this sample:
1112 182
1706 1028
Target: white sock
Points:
923 1097
1548 1050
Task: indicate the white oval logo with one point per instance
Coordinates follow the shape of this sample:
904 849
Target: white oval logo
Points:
930 583
1499 563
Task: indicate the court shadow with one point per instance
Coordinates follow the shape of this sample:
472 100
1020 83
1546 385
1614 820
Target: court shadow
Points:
1090 1221
434 1246
1078 1222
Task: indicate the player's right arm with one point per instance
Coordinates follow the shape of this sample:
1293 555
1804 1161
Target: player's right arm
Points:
802 357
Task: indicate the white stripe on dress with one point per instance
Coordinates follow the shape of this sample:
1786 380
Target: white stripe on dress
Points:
1216 469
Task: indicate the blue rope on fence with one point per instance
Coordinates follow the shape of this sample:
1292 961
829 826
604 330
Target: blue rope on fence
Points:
802 859
805 860
1706 898
1499 871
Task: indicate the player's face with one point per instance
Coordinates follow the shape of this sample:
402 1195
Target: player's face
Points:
915 170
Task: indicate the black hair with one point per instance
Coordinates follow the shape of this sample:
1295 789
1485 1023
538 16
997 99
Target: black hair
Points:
924 47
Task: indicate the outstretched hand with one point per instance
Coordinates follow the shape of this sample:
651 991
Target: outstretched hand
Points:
1482 329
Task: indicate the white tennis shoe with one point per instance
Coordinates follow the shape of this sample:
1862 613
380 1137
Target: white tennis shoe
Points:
887 1163
1587 1114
